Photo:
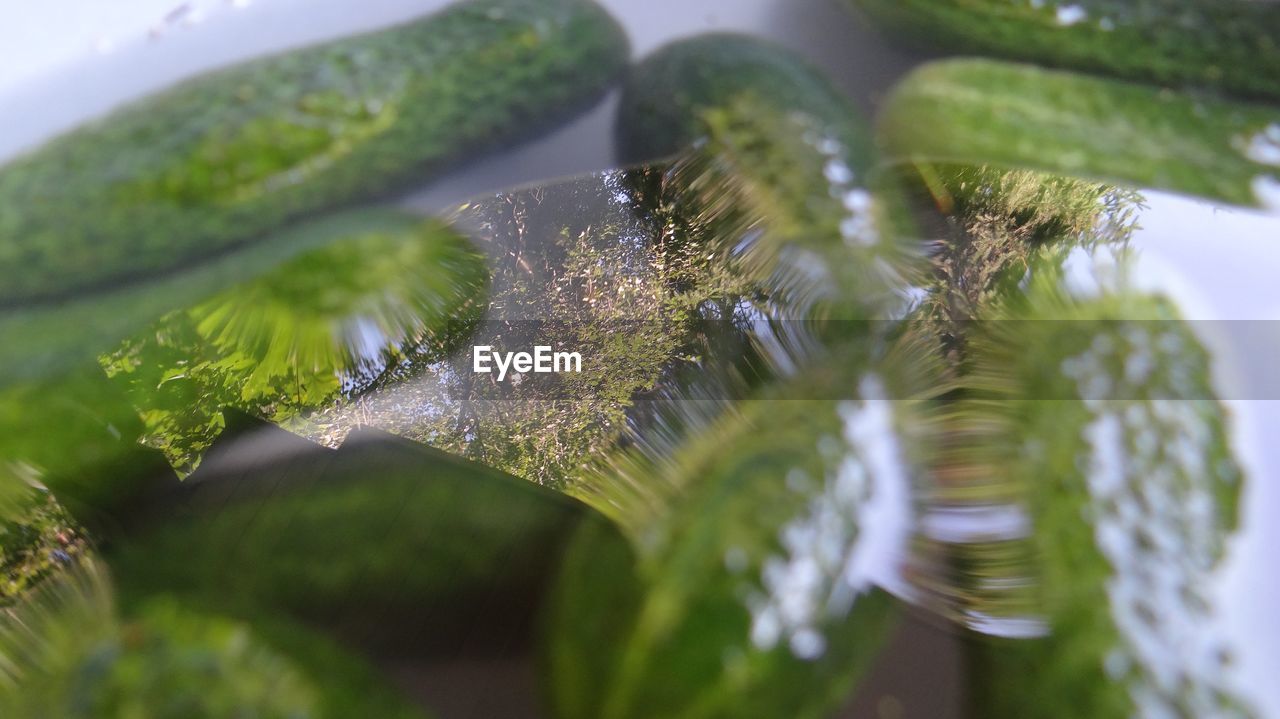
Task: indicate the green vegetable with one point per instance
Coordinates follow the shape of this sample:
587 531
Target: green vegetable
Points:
69 435
1096 418
753 597
439 277
391 544
666 97
231 156
979 112
69 653
315 305
781 170
1228 44
588 615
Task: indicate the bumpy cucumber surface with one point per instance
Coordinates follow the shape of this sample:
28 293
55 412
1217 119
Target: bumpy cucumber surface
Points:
409 536
984 112
666 97
1229 44
1097 415
228 156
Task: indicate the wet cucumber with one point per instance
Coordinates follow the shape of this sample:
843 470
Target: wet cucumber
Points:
408 537
751 598
666 96
229 156
44 341
296 306
1096 416
778 149
1229 44
985 112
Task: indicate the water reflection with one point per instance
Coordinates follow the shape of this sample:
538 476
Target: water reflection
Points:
595 266
1105 509
1043 466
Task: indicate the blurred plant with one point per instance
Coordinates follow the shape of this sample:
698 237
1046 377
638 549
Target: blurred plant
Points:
66 653
763 540
764 583
39 541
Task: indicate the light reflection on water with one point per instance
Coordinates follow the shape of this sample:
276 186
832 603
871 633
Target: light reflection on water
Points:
427 397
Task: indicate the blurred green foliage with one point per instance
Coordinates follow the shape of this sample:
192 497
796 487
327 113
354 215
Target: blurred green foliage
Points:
294 339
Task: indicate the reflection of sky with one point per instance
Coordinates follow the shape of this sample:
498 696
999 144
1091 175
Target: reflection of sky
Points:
1219 264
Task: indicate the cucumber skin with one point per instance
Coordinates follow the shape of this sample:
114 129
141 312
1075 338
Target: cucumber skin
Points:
667 95
44 341
989 112
1031 435
1232 45
768 141
229 156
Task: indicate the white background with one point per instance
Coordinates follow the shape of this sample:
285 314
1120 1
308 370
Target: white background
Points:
62 61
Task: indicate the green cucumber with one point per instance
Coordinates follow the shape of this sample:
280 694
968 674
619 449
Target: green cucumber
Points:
74 654
384 541
1096 417
1228 44
231 156
981 112
747 599
45 340
297 312
772 151
666 97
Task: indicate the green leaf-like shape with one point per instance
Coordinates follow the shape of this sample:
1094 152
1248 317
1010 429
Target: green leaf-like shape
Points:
283 344
309 306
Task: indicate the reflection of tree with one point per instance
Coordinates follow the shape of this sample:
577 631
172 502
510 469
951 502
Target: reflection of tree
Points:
292 341
994 223
604 266
181 381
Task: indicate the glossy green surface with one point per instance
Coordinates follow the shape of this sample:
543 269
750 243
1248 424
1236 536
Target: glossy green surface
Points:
228 157
666 97
982 112
1233 45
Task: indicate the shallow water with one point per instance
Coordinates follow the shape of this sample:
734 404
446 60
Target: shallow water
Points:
1215 262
